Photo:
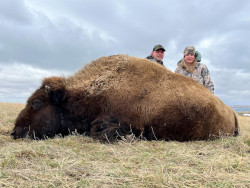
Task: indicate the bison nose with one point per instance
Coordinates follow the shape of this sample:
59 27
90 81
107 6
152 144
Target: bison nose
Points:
12 134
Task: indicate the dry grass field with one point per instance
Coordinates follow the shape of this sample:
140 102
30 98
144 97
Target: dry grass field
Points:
79 161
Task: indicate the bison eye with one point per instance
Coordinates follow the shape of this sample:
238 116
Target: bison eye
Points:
37 103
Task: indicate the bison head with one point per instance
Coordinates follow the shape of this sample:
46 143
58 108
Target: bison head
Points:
43 116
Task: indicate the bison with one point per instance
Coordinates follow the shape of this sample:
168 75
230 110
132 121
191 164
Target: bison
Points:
120 95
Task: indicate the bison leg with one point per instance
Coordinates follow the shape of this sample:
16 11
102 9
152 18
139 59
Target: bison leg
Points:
109 130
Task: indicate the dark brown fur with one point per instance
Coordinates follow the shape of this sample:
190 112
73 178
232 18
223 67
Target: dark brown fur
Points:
120 95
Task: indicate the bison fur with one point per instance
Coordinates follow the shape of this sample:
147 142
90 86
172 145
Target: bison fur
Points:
120 95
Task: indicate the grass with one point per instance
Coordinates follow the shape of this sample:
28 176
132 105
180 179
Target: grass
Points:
79 161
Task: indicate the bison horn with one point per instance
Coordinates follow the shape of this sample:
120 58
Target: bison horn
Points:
47 89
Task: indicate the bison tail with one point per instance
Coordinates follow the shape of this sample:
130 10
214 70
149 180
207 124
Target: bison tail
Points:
236 130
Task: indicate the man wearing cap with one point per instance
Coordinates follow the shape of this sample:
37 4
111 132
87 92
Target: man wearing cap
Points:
193 69
157 54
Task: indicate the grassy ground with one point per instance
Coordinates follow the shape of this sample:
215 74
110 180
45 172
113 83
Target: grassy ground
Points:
79 161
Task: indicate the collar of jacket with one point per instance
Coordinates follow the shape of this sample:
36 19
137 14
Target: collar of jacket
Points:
151 58
189 68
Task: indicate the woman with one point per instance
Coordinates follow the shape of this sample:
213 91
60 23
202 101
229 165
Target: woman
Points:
189 66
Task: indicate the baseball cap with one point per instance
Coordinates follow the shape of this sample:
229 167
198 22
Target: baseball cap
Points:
157 47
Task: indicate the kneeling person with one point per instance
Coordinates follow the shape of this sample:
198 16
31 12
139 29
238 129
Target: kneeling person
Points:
189 66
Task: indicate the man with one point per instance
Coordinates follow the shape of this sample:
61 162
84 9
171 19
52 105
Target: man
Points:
189 66
157 54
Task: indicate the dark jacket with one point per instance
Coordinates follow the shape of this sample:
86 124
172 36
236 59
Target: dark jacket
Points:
151 58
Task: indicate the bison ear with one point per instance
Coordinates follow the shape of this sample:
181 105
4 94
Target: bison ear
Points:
55 89
55 96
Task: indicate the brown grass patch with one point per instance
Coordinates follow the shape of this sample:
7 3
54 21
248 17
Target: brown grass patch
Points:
79 161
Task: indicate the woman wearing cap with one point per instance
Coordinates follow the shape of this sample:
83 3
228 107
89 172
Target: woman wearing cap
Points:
196 70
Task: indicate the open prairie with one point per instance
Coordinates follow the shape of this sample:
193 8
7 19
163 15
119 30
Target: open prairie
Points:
80 161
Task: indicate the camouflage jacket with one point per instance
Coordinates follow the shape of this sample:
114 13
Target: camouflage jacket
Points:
151 58
200 73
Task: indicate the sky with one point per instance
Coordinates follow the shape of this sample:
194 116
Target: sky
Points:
42 38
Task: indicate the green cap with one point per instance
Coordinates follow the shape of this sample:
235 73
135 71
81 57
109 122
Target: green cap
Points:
157 47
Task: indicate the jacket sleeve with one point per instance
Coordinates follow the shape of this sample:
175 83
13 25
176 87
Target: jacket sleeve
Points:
178 70
207 79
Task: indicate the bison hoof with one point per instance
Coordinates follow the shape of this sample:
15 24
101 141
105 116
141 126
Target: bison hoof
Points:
109 130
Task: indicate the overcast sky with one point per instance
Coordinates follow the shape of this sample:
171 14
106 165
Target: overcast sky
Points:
41 38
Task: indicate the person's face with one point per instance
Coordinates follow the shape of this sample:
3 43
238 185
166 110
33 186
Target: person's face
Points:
158 54
189 58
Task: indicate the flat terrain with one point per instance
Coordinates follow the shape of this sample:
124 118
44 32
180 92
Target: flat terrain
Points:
79 161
